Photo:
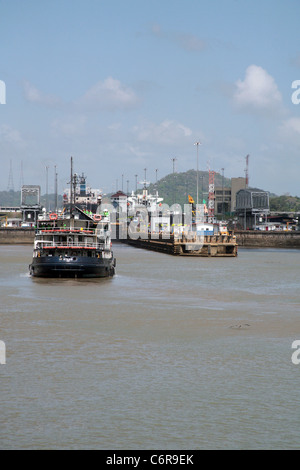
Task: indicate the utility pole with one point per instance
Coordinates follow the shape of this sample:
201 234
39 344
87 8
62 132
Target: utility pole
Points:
211 196
197 143
55 188
21 176
10 186
246 186
222 194
174 160
71 189
47 197
247 172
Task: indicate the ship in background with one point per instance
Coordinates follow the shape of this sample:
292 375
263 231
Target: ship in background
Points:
75 242
81 195
145 222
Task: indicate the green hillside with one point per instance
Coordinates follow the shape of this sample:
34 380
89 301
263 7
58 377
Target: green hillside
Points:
285 203
176 187
10 198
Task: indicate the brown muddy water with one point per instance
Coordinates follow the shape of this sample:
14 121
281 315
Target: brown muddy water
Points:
171 353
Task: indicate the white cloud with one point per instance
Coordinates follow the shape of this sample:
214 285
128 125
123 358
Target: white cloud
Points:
289 131
10 135
115 126
258 91
296 61
109 95
34 95
189 42
167 132
69 126
293 125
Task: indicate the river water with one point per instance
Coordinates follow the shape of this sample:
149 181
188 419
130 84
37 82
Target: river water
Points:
171 353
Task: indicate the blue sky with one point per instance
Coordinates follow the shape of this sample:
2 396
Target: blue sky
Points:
123 85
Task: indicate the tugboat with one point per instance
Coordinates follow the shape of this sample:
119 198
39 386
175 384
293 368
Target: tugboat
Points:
73 243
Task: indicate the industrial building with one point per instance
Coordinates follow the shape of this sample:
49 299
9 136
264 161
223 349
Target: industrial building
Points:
252 207
27 213
225 198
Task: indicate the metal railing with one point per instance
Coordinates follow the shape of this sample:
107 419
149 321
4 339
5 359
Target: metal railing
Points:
65 244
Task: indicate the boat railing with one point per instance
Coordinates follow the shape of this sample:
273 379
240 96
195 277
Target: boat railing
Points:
101 228
44 244
56 218
66 230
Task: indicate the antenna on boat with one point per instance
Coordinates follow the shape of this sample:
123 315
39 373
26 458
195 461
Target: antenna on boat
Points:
71 189
55 189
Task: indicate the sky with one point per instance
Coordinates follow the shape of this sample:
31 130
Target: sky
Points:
128 85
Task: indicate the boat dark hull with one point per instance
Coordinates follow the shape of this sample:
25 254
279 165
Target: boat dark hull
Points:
82 267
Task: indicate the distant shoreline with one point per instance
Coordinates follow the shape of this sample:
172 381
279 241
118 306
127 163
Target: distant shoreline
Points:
17 236
245 238
265 239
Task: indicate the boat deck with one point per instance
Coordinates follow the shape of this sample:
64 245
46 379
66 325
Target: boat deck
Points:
202 246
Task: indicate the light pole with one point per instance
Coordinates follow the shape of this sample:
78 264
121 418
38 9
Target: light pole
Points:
55 188
197 143
47 201
174 160
222 193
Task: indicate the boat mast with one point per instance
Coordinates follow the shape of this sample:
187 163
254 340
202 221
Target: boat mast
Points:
71 190
71 187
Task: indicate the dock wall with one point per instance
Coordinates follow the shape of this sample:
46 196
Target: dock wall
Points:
17 236
264 239
246 238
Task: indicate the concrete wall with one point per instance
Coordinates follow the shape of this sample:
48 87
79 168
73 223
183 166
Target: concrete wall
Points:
247 238
255 238
17 236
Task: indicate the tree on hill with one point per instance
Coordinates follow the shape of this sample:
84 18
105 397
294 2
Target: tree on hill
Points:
176 187
285 203
10 198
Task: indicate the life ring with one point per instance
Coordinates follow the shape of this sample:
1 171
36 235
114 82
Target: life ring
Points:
53 216
97 217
